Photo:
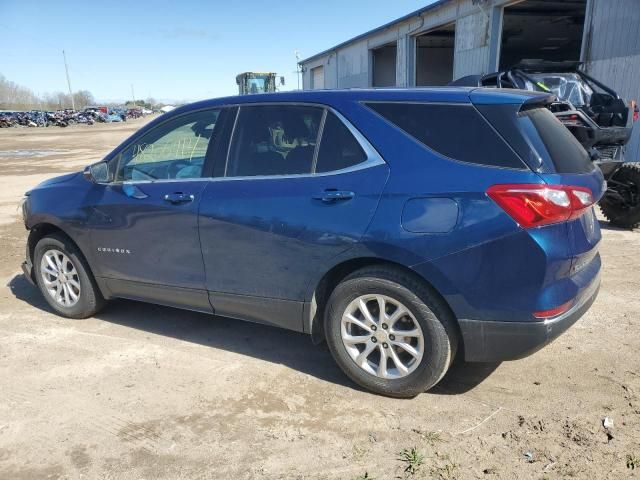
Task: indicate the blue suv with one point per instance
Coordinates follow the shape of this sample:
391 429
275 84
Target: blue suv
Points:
401 226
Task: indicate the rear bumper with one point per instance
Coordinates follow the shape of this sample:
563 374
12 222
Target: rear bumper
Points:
488 341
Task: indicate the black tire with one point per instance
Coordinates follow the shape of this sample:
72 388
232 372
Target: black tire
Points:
427 307
90 299
624 215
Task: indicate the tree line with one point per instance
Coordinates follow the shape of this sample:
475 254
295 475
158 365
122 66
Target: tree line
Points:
17 97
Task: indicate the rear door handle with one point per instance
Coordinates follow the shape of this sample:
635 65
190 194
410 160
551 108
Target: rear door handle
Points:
330 196
177 198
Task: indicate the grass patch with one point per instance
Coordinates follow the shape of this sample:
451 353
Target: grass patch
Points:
412 460
448 470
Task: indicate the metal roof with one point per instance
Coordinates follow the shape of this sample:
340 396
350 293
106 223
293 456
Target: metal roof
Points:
416 13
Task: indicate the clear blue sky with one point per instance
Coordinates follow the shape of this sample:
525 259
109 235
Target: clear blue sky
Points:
174 50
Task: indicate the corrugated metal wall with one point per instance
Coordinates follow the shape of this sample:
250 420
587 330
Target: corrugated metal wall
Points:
472 45
611 48
612 51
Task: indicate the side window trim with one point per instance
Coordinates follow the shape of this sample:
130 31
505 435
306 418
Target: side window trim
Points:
373 157
316 151
231 139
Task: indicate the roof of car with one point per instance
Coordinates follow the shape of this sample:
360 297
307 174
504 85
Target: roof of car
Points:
431 94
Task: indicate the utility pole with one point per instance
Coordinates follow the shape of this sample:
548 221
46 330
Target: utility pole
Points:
66 69
133 96
297 67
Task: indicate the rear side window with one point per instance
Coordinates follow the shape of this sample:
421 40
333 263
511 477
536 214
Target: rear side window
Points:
455 131
338 148
274 140
548 133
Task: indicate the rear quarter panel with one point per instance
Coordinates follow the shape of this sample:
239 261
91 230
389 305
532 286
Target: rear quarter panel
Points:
479 263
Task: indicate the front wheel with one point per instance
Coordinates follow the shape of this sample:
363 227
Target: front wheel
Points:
622 209
389 332
64 278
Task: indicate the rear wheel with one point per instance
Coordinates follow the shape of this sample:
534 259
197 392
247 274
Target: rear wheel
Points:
64 278
624 210
389 332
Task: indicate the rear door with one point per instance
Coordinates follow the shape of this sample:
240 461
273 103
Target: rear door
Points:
285 204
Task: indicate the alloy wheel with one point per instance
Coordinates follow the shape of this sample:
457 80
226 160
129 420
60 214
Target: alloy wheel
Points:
382 336
60 278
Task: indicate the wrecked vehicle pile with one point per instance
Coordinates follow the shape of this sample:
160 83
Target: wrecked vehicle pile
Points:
64 118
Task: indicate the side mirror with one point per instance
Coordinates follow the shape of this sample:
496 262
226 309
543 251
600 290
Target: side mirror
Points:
97 173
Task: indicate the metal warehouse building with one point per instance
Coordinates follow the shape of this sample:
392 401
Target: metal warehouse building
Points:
450 39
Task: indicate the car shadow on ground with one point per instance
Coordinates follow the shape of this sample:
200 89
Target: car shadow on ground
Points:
263 342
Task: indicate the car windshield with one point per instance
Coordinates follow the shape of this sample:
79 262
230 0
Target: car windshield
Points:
568 87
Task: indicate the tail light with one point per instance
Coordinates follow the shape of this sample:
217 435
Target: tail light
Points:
534 205
571 120
554 312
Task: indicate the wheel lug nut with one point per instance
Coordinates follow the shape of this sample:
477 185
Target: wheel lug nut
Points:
384 325
385 345
392 337
374 339
374 328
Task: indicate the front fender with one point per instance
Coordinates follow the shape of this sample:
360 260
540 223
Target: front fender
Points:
62 204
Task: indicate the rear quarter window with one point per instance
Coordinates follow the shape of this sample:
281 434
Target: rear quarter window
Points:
458 132
338 148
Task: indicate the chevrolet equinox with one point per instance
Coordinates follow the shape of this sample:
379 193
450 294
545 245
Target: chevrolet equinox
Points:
401 226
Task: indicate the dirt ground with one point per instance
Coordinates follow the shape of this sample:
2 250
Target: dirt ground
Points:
145 392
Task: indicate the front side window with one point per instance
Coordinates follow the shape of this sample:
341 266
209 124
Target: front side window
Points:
173 150
274 140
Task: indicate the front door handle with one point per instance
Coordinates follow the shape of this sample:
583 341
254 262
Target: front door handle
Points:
330 195
177 198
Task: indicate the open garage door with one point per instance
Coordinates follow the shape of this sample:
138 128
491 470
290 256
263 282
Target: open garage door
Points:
542 29
317 78
434 56
384 61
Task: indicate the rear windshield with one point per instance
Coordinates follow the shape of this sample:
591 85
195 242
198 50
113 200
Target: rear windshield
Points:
457 131
554 141
538 137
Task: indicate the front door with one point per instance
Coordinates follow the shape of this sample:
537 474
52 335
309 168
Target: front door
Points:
144 225
287 203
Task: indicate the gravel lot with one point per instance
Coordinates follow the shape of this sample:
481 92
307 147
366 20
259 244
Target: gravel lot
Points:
143 391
